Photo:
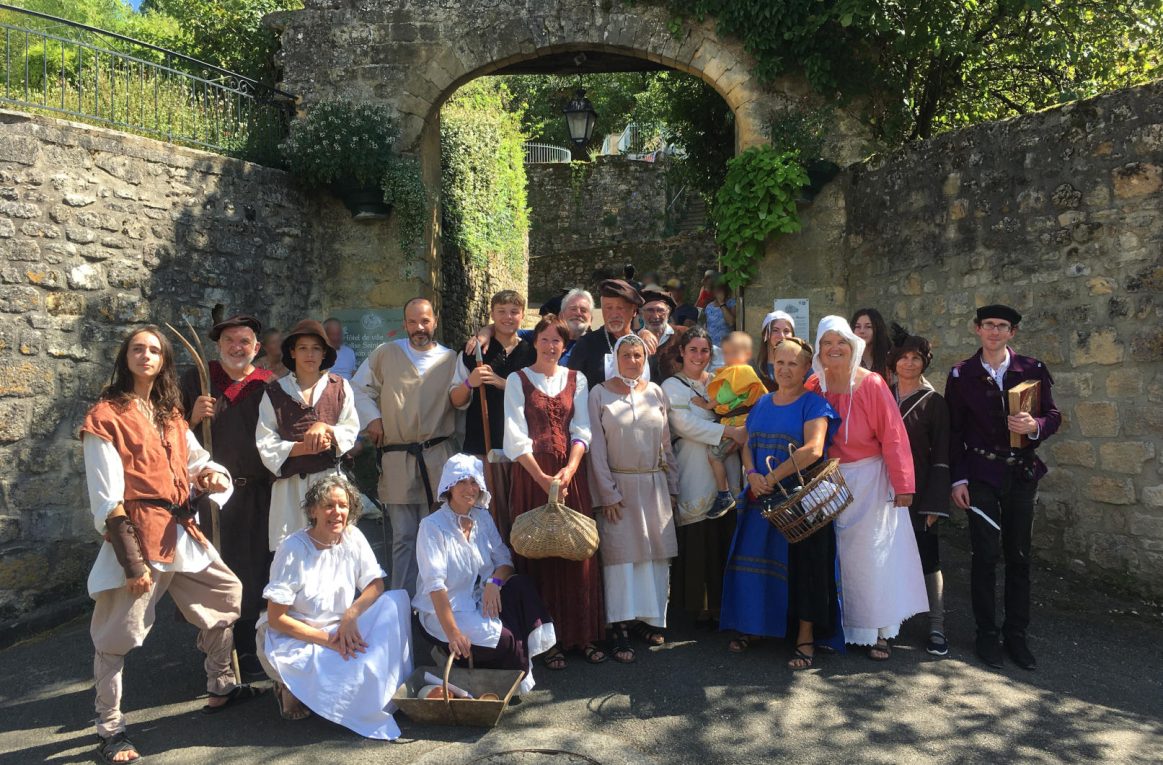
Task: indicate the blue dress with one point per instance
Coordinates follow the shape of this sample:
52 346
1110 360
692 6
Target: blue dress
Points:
755 584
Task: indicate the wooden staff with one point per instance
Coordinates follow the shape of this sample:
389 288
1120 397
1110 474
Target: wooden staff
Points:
489 483
199 355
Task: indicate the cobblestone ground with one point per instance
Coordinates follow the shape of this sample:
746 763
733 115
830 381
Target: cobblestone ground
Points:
1096 697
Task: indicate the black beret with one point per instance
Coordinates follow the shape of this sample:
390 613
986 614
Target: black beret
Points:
619 288
552 306
241 320
651 294
998 311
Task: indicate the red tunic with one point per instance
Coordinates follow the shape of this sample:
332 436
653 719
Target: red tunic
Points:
571 590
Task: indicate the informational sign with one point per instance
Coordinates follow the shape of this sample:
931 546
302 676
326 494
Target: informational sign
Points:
798 308
366 328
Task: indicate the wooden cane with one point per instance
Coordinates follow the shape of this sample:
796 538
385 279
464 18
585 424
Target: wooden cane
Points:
199 356
489 483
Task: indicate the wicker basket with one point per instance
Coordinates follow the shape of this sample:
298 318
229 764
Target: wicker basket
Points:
816 503
554 531
481 713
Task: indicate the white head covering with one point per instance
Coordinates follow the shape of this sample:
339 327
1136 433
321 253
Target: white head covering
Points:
630 382
839 325
776 316
459 467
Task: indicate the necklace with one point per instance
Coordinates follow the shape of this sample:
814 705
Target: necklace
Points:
324 545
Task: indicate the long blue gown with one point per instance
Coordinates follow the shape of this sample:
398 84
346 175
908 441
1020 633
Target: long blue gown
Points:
755 584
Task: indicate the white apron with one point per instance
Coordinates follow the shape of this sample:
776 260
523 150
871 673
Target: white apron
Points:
881 582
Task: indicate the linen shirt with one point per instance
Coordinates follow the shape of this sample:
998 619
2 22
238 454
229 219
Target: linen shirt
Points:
318 586
517 438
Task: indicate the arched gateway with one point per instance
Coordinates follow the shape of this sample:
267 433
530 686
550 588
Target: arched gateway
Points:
412 55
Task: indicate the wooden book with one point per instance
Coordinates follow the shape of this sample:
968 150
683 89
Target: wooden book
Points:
1024 397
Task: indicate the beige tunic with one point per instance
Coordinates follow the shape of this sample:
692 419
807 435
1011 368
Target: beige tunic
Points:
414 409
627 448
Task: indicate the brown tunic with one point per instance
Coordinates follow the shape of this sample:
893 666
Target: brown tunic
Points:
295 418
155 469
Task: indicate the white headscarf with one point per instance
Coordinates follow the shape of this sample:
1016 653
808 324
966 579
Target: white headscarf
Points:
839 325
775 316
628 382
459 467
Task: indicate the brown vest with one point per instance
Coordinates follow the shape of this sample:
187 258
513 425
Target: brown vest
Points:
548 417
295 418
155 468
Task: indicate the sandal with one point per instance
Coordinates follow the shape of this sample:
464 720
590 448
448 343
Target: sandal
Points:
108 748
622 646
740 643
801 660
937 644
883 647
287 709
237 695
647 634
555 660
593 654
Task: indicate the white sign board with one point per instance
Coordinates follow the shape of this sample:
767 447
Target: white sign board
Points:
798 308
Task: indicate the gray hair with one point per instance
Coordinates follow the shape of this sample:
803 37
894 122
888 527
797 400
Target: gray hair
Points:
320 491
575 293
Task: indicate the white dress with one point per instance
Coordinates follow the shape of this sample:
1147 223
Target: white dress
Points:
461 567
695 429
287 494
317 586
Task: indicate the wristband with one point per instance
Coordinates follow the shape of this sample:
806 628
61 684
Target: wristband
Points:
123 539
752 471
497 581
466 384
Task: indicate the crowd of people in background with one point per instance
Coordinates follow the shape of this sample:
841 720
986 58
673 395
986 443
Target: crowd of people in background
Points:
665 424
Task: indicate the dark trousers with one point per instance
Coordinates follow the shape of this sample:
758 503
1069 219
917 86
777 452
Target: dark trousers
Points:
1012 506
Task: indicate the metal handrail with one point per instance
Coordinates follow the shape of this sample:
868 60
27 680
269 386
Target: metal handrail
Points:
214 109
545 153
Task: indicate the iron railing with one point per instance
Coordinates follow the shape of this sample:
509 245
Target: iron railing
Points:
544 153
108 79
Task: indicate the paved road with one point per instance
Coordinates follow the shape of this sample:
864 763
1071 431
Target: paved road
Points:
1097 697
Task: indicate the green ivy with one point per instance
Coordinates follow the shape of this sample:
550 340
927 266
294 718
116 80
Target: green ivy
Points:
339 141
485 212
757 199
404 190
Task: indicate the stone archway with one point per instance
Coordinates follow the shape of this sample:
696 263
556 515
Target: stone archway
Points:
412 55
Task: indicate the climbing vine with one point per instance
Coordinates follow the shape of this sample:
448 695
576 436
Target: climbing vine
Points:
757 199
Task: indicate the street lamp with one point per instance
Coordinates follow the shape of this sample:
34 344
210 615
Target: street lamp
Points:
580 118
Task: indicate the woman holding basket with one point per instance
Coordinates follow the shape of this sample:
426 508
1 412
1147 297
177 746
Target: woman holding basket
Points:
547 432
770 584
879 564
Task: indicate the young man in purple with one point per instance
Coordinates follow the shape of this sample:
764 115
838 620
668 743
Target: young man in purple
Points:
995 482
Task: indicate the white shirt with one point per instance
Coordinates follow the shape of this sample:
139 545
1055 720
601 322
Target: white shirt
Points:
105 479
517 439
461 567
318 586
344 365
998 374
273 450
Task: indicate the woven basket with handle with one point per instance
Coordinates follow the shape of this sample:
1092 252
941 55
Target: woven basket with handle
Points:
554 531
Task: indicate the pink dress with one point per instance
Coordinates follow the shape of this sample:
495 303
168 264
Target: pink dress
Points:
880 568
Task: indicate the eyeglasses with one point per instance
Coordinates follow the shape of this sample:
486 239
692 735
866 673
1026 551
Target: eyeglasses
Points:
994 326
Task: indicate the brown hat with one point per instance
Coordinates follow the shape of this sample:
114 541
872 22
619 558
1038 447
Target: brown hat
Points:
241 320
619 288
308 327
651 294
911 344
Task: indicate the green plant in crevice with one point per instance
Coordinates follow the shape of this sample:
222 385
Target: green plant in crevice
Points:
757 199
341 141
404 190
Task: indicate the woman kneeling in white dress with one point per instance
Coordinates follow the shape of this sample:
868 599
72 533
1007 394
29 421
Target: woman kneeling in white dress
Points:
329 651
467 594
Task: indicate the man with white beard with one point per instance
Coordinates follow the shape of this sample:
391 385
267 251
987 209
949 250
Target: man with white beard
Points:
593 353
236 388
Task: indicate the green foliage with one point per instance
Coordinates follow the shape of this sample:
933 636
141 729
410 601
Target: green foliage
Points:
341 141
483 184
757 199
404 191
799 130
922 66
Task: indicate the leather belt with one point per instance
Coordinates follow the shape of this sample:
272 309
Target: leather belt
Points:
1012 458
417 450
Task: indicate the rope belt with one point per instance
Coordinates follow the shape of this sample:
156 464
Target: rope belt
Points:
647 471
417 450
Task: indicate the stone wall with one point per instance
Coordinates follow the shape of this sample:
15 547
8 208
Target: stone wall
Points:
99 232
1059 214
588 220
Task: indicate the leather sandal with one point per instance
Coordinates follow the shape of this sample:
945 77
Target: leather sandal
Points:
801 660
115 745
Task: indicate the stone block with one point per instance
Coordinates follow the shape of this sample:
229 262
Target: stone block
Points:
48 278
85 277
80 234
1126 456
21 250
64 304
1124 381
1137 179
1149 525
7 228
1073 453
14 420
16 299
1101 346
1073 384
19 210
1147 346
9 530
1153 495
23 149
1097 419
1111 490
1100 285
